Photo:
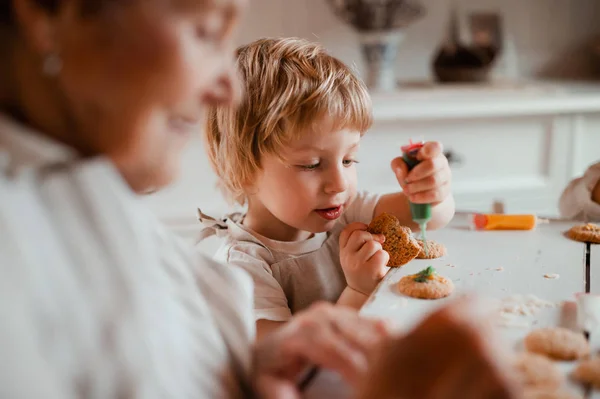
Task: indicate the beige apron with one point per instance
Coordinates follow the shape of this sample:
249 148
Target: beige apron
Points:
305 279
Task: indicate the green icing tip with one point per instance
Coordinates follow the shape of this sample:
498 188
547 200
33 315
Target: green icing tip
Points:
423 227
423 275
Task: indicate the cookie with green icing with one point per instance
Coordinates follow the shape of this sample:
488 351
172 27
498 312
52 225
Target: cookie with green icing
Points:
427 284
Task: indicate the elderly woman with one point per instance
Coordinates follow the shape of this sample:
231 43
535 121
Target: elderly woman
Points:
97 100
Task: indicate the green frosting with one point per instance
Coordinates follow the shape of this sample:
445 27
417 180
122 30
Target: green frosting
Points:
424 274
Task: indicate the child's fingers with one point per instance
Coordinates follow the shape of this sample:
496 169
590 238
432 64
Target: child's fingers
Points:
428 183
400 170
369 249
348 230
431 196
430 150
378 262
357 240
380 238
427 168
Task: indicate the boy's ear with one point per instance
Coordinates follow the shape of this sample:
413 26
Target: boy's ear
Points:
250 189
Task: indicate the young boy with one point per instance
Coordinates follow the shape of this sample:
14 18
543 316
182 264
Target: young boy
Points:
581 198
289 153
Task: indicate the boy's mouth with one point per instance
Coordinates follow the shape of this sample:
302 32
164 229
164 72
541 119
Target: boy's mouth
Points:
330 213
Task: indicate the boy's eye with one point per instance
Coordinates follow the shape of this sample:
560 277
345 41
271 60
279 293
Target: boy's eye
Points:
348 162
311 166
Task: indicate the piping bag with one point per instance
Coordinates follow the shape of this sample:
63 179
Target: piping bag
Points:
421 213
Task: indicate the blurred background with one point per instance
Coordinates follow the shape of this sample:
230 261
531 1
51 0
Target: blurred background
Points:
510 87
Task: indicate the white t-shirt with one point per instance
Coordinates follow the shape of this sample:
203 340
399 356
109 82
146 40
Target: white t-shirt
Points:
98 300
288 276
576 200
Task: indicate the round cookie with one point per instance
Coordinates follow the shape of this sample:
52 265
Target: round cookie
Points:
434 250
557 343
533 370
585 233
399 242
426 284
548 393
588 372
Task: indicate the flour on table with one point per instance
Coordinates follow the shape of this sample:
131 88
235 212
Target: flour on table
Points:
552 276
524 305
513 309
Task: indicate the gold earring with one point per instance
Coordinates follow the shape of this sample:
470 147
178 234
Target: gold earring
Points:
52 64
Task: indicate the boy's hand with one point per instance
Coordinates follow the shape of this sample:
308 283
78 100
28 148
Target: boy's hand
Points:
429 181
362 257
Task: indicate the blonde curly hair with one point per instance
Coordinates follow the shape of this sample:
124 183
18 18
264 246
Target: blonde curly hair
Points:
290 85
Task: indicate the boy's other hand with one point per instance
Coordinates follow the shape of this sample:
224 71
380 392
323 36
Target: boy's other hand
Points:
362 257
429 181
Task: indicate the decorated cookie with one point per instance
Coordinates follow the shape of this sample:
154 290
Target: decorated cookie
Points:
426 284
557 343
533 370
434 250
399 242
588 372
585 233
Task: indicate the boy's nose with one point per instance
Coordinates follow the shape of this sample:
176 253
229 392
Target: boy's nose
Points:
337 182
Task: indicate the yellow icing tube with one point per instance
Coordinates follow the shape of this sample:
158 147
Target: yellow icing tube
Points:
500 221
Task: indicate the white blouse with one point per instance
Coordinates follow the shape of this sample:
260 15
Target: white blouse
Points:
97 299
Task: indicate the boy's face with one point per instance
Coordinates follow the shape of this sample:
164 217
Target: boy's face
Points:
311 188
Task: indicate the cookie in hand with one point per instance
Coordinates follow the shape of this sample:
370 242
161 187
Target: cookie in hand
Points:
399 242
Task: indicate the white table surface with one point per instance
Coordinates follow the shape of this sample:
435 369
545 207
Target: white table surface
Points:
494 264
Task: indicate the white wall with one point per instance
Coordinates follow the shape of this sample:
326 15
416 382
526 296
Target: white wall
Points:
543 31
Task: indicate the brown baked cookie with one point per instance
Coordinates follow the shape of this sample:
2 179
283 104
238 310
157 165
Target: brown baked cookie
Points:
434 250
585 233
533 370
399 242
548 393
557 343
426 284
588 372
